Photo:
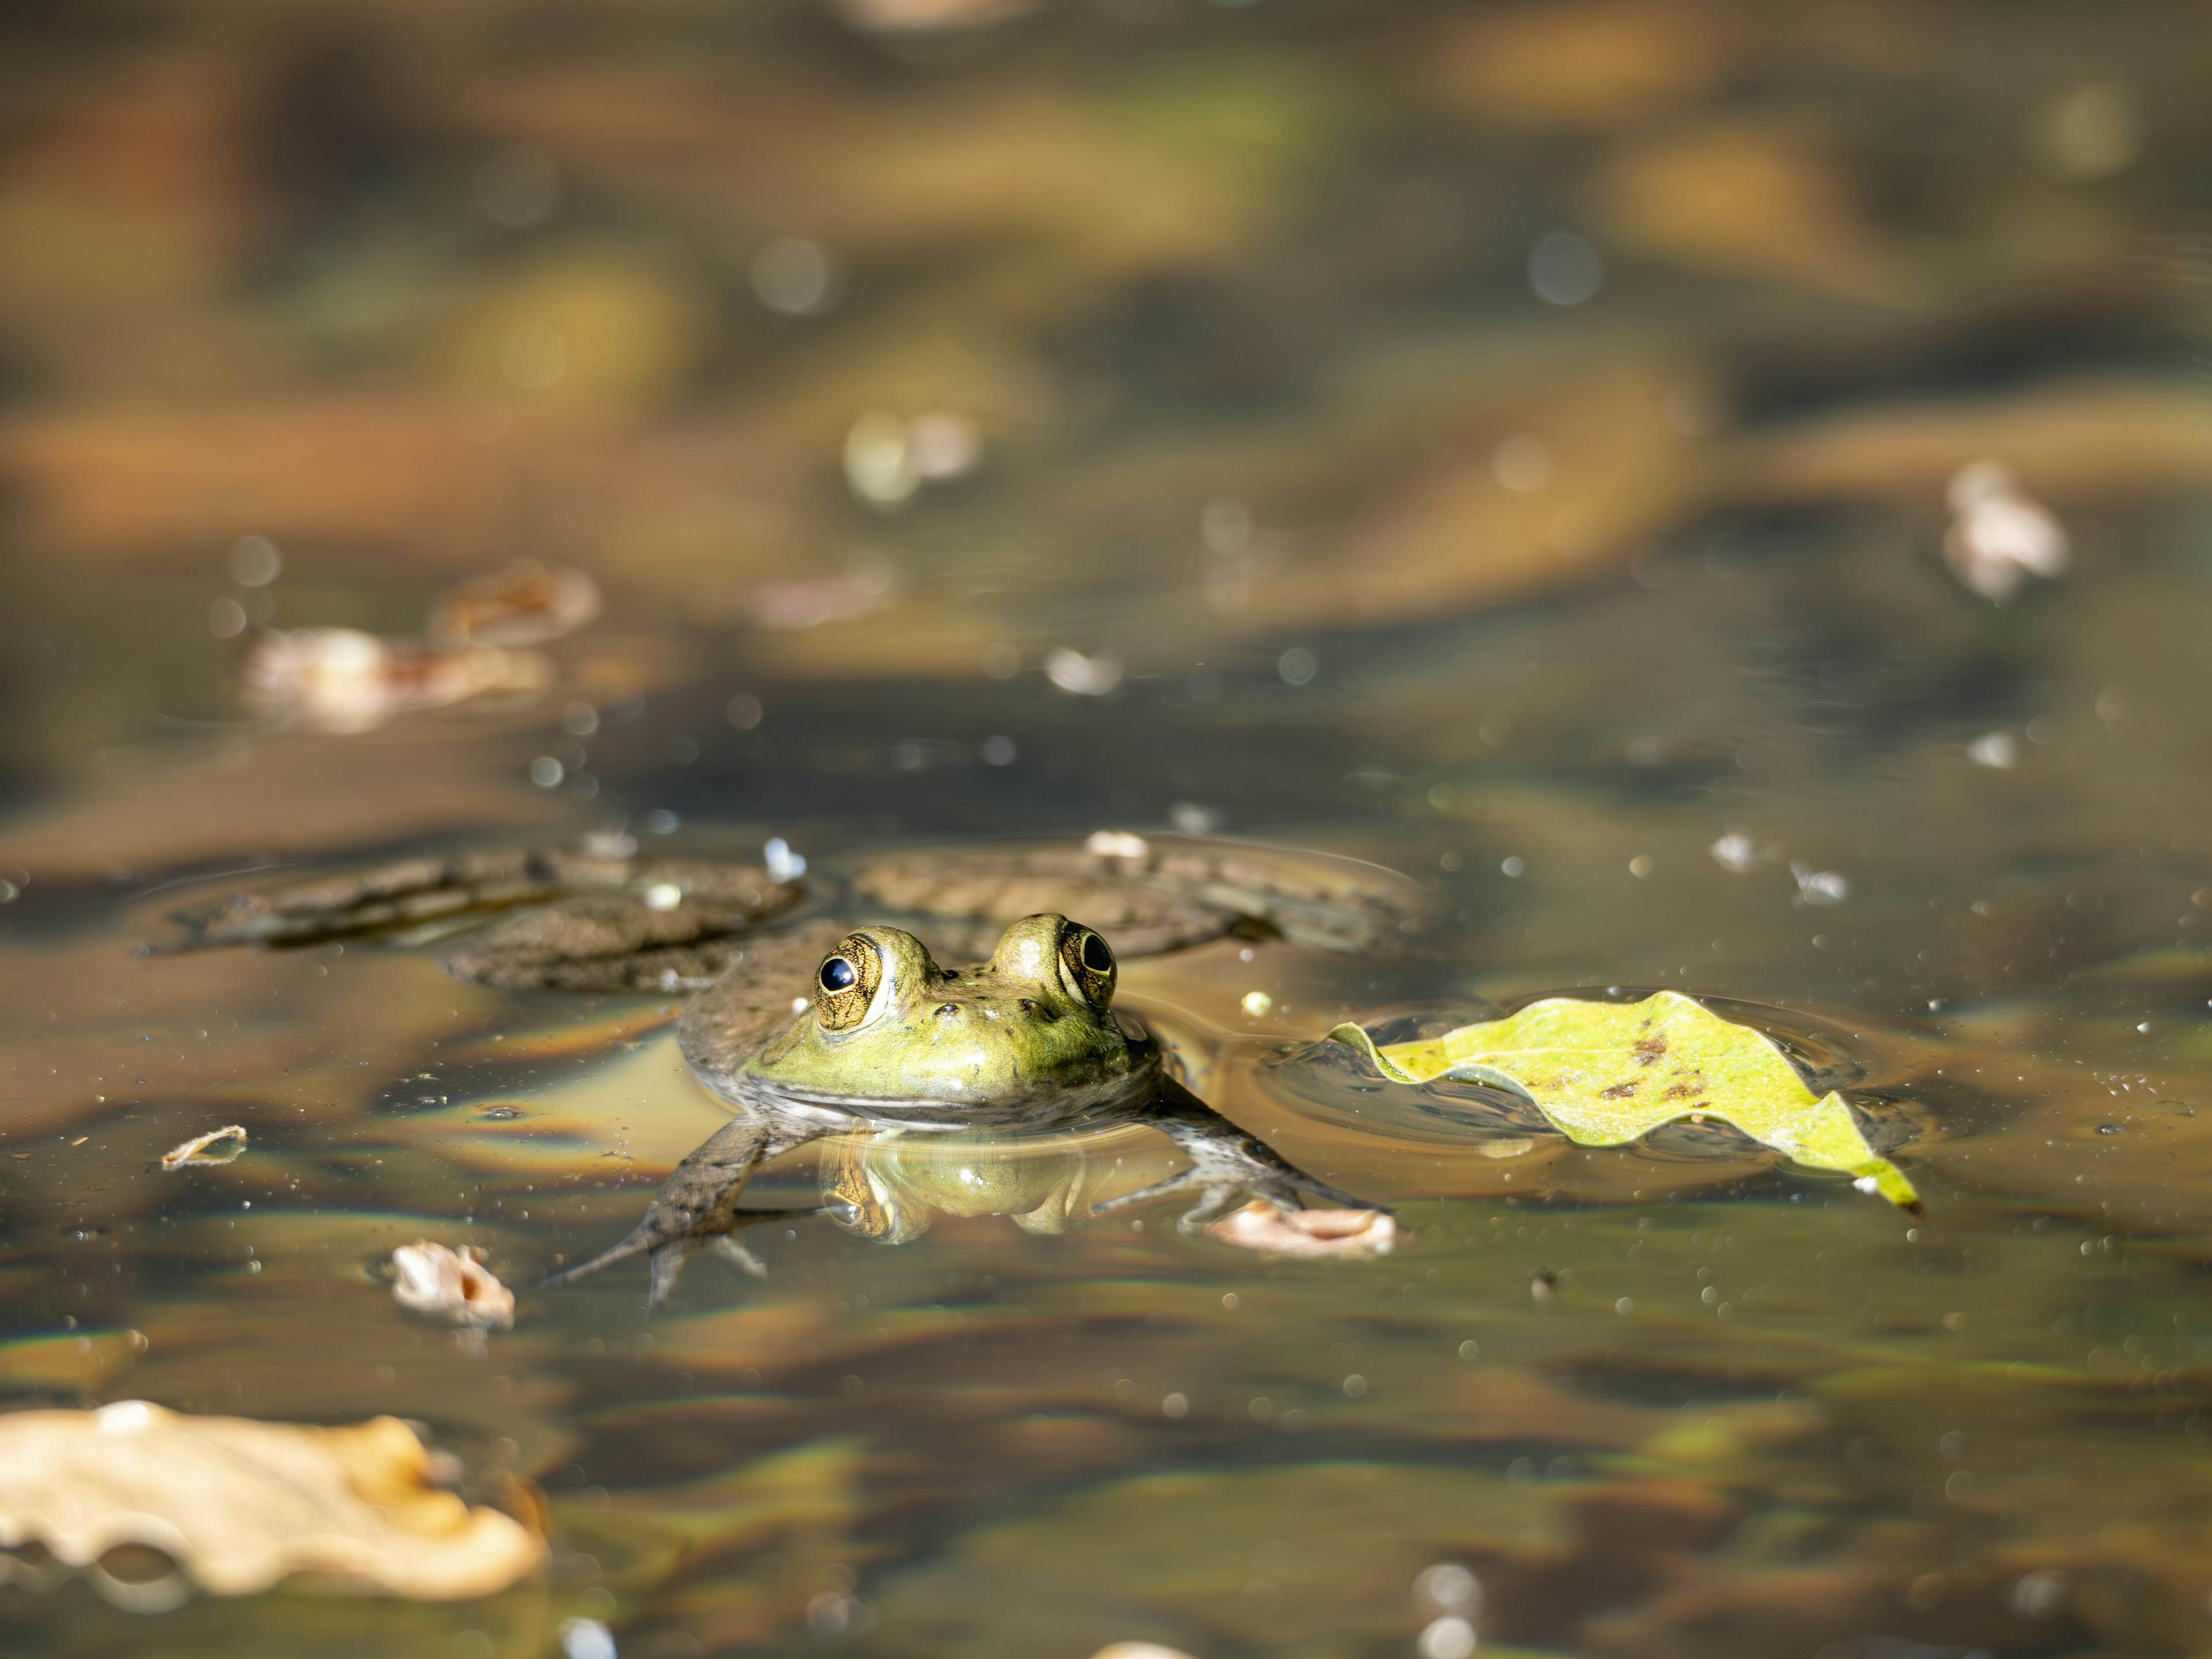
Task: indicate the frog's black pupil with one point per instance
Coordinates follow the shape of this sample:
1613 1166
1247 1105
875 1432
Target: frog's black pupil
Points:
837 975
1096 956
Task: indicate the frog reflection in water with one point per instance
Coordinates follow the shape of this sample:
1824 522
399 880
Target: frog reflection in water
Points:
887 1039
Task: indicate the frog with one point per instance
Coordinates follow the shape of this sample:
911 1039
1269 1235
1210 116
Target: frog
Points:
806 1026
885 1039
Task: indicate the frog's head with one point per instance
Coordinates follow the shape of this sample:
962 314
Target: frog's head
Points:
885 1025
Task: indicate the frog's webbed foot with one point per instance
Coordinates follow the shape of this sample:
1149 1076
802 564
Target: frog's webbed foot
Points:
1228 1167
698 1208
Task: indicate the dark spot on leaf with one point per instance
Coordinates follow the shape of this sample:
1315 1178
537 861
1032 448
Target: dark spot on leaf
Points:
1619 1092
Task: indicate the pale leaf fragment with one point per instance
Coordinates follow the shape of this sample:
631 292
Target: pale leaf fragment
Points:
195 1152
1605 1072
240 1506
451 1284
1307 1232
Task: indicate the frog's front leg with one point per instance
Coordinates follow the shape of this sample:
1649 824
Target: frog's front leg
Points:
697 1207
1227 1166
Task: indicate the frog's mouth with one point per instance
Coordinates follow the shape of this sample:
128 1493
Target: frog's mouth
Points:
1041 1102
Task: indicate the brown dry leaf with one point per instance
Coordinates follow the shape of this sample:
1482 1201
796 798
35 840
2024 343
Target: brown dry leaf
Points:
1754 202
239 1505
1306 1232
1600 64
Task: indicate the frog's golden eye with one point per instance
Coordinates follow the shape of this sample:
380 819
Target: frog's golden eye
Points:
845 985
1087 964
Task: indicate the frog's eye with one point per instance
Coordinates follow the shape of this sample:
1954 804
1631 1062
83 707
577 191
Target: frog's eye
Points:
845 984
1087 964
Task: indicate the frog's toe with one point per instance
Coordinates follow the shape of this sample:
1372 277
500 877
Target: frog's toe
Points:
1174 1184
673 1240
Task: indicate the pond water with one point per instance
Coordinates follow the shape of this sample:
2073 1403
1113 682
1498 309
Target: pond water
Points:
1721 495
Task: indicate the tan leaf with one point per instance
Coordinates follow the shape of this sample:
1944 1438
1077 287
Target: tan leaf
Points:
239 1505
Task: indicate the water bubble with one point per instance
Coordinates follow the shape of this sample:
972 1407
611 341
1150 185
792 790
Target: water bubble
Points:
1522 463
1296 666
1001 661
1084 676
546 772
662 822
1175 1406
876 465
744 711
941 445
796 277
1819 887
783 864
1449 1587
1512 867
1564 269
1734 853
1194 819
255 562
1999 750
999 751
1226 526
1448 1638
2093 130
226 618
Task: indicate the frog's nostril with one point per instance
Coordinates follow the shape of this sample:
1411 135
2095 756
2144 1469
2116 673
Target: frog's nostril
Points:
947 1011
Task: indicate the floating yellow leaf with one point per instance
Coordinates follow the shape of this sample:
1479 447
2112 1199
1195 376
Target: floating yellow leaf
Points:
1605 1072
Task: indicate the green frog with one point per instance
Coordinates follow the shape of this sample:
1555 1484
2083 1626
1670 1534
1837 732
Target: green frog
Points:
810 1027
886 1039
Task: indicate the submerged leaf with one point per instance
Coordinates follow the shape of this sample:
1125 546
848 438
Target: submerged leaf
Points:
1605 1072
238 1505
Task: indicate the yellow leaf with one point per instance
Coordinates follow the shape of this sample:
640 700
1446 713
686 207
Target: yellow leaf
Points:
1605 1072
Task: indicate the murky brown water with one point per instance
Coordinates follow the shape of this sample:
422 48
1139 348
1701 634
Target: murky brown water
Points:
1510 444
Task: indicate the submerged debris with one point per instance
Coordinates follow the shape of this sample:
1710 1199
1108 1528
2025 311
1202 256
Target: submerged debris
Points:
195 1152
342 681
235 1506
525 602
2000 536
451 1284
1306 1232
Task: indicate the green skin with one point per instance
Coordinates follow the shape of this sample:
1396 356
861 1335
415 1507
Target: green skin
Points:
1027 1039
1022 1031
